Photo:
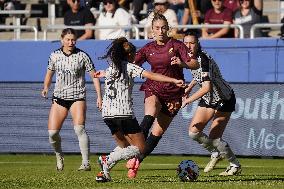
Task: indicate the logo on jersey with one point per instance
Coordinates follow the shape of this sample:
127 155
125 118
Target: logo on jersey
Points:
171 50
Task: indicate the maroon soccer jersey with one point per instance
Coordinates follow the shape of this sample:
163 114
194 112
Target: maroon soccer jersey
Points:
159 57
211 17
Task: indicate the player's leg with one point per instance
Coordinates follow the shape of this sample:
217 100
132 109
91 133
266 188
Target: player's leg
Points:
56 118
200 119
160 126
218 126
152 107
78 113
135 138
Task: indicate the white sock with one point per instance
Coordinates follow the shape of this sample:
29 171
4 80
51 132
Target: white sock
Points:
84 143
55 141
123 153
215 154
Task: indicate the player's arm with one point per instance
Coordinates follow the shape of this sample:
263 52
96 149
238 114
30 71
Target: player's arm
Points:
191 64
47 83
205 88
161 78
189 87
97 85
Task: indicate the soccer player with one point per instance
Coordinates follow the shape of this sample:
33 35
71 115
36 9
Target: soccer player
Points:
216 102
162 100
117 109
69 63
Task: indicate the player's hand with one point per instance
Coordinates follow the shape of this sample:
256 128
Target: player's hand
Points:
44 93
175 61
99 103
185 101
99 74
179 83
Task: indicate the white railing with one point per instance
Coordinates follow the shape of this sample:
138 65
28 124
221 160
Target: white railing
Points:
18 37
17 20
265 25
200 26
59 27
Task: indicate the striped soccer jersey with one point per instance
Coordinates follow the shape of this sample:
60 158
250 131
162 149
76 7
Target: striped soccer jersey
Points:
70 73
221 89
117 101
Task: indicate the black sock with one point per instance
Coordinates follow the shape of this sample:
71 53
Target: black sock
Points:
151 143
146 124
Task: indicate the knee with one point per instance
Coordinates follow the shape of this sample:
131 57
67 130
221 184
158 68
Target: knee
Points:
79 129
53 135
219 143
193 135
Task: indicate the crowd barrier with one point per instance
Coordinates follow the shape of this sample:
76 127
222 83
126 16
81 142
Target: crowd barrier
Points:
255 129
240 60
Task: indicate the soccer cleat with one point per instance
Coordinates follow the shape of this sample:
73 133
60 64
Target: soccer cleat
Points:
85 167
102 160
212 163
101 177
133 166
59 162
231 170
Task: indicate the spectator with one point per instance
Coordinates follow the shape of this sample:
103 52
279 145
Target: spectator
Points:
112 15
232 4
248 14
178 7
282 28
138 6
161 7
218 15
79 16
202 7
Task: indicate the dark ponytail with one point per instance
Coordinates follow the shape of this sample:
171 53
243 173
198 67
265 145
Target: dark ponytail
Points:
118 51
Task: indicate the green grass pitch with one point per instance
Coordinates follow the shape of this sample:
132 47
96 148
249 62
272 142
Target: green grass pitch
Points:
156 172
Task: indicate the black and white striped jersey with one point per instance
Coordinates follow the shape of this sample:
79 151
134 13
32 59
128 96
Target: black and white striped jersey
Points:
117 100
70 73
221 89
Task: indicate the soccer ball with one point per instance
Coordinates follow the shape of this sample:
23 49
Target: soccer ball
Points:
187 170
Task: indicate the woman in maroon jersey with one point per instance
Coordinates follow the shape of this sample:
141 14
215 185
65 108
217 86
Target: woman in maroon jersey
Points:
162 100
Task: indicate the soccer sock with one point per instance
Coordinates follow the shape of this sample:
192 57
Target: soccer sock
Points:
226 151
117 150
151 143
146 124
204 140
84 143
55 141
123 153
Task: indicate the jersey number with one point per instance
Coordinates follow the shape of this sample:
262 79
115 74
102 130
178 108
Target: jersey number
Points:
112 94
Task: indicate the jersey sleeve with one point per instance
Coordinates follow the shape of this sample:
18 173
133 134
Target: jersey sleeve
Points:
205 76
89 65
134 70
51 63
140 57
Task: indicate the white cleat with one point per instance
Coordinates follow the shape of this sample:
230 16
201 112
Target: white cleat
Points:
85 167
231 170
102 160
59 163
212 163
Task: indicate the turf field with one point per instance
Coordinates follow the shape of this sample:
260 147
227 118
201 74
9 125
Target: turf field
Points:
156 172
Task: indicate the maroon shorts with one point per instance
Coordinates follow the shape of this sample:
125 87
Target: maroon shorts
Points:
170 107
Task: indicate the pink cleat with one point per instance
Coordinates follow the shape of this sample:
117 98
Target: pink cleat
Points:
133 166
